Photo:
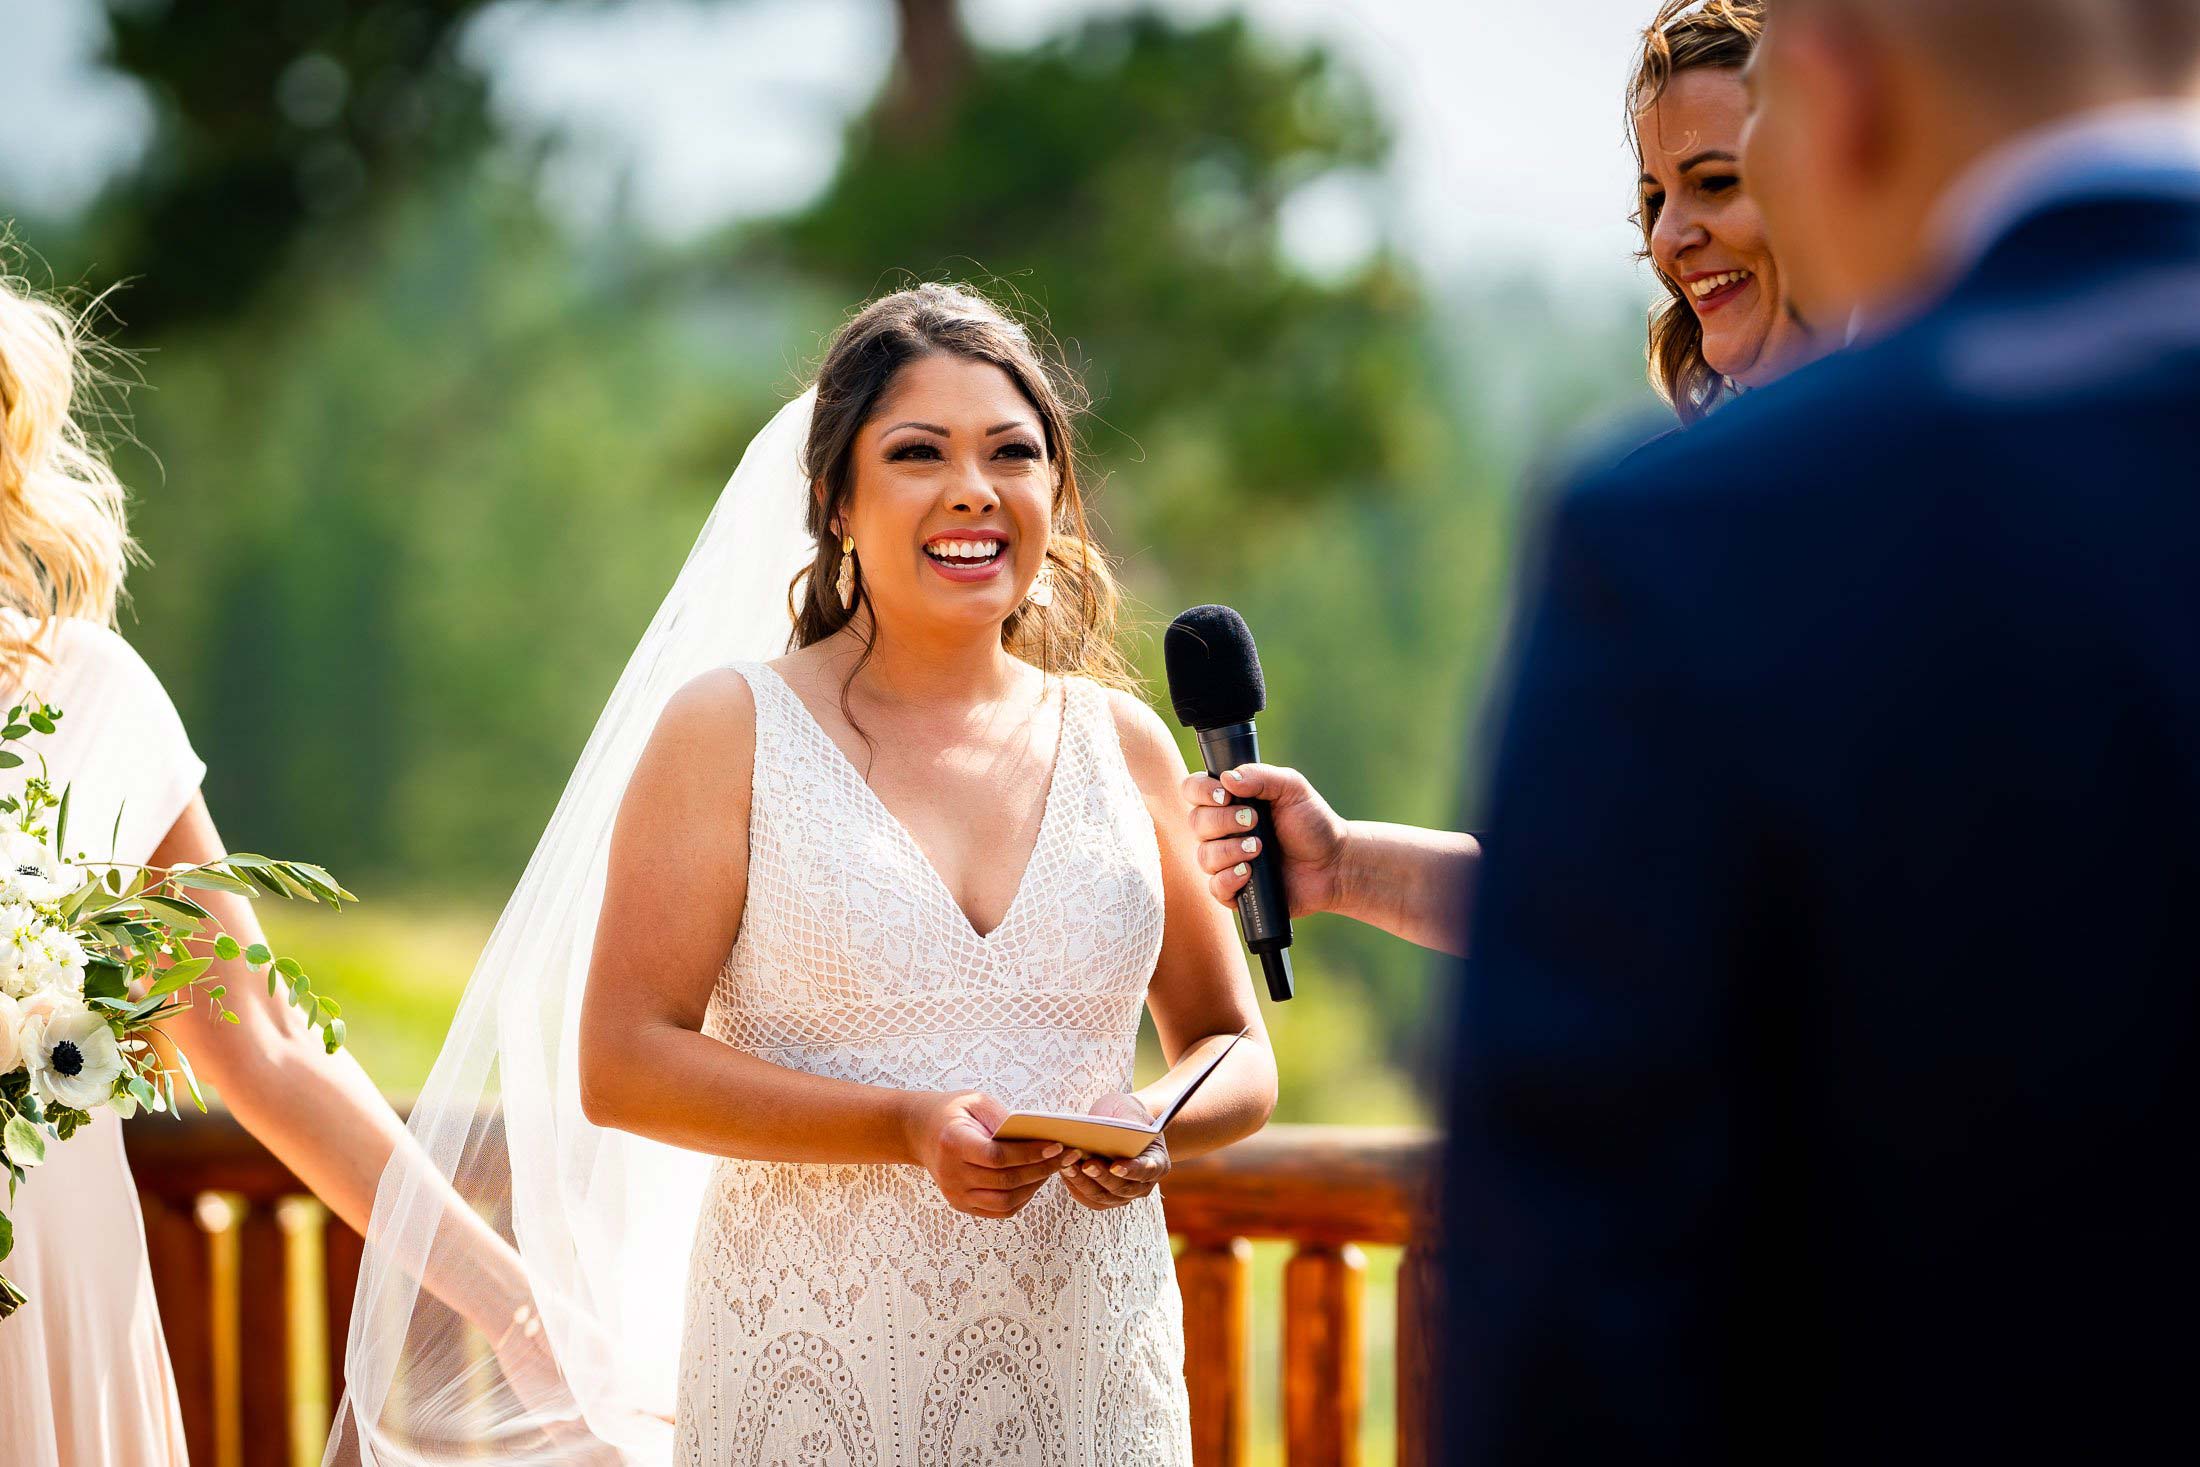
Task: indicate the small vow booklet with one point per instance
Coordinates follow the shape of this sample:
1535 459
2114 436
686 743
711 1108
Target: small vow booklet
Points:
1109 1136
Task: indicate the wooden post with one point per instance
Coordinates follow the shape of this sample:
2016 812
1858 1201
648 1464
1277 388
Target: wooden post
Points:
183 1284
1324 1385
342 1252
263 1317
1215 1277
1417 1325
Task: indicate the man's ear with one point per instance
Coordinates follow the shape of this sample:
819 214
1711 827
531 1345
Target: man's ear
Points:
1851 63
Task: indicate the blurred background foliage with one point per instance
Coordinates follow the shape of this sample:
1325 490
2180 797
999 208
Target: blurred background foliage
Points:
416 454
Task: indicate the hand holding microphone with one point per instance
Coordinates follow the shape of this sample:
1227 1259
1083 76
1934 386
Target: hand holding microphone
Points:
1216 685
1271 845
1308 835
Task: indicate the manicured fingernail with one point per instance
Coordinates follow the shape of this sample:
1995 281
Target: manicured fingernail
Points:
1235 776
1092 1169
1246 818
1249 845
1222 797
1119 1171
1052 1150
1240 869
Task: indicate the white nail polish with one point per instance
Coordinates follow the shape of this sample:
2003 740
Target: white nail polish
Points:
1249 845
1222 797
1246 818
1242 869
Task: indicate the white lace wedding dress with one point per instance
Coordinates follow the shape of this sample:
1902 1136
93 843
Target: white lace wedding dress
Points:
845 1316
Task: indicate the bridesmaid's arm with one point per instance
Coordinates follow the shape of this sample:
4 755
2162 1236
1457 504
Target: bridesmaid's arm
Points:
673 900
1202 989
318 1113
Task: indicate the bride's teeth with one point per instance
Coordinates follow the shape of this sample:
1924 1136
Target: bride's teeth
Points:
966 549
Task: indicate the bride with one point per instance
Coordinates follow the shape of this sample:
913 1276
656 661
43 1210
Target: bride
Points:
800 934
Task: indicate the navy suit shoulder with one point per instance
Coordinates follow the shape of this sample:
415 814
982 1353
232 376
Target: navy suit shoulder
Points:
1823 1060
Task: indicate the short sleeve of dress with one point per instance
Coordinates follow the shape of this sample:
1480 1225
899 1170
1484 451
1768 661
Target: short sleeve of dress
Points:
120 744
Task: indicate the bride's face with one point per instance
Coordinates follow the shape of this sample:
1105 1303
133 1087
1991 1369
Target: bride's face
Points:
951 498
1706 234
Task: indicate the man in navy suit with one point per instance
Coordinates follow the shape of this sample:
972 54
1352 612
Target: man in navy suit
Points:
1820 1088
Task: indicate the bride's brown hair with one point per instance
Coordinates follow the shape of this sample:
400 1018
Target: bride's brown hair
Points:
1688 35
1077 634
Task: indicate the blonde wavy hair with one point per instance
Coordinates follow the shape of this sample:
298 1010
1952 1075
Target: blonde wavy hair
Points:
64 531
1687 35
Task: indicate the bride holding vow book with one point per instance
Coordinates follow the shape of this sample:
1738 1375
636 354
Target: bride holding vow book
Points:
804 932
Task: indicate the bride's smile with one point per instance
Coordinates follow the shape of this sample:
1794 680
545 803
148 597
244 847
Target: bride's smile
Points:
969 555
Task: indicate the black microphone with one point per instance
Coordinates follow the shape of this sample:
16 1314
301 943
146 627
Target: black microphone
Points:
1215 683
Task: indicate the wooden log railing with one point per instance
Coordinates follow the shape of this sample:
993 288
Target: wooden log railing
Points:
240 1254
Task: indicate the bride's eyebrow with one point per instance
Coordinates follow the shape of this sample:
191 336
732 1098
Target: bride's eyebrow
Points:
1710 155
926 427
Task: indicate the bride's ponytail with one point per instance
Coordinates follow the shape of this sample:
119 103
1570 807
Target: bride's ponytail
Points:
64 537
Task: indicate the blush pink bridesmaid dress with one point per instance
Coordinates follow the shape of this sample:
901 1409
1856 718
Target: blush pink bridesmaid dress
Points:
84 1373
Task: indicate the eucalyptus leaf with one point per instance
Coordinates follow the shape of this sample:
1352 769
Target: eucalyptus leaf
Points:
190 1081
227 948
211 878
181 907
259 955
24 1144
176 977
104 978
9 759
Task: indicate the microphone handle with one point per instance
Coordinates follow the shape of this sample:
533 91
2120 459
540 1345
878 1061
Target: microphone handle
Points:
1264 916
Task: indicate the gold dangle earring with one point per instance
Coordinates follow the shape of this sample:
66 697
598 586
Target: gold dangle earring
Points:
846 585
1041 593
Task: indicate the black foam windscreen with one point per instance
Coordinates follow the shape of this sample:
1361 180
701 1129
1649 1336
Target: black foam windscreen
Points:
1214 673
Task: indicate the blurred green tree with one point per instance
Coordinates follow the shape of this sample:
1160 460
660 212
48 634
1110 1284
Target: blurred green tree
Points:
418 460
275 119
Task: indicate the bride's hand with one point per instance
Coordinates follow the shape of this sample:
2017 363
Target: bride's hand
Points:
951 1136
1100 1183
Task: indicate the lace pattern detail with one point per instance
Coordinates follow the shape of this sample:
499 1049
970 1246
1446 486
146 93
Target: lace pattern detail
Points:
845 1314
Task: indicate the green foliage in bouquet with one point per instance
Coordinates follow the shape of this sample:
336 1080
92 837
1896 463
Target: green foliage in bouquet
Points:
95 954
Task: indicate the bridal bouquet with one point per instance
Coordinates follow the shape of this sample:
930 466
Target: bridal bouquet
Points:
94 954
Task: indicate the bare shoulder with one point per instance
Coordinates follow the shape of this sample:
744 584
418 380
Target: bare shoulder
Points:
716 703
706 737
1149 749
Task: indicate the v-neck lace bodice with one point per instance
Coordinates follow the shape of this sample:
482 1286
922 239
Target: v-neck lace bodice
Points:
931 867
845 1314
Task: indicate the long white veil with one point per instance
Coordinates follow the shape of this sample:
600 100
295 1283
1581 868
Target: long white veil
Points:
520 1296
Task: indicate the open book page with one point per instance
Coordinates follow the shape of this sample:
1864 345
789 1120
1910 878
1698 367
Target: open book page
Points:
1109 1136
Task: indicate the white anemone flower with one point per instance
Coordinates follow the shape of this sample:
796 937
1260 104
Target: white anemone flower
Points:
30 872
73 1058
11 1034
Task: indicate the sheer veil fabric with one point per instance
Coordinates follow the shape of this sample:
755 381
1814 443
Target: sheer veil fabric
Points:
603 1221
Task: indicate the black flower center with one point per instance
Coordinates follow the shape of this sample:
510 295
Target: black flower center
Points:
67 1058
28 871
